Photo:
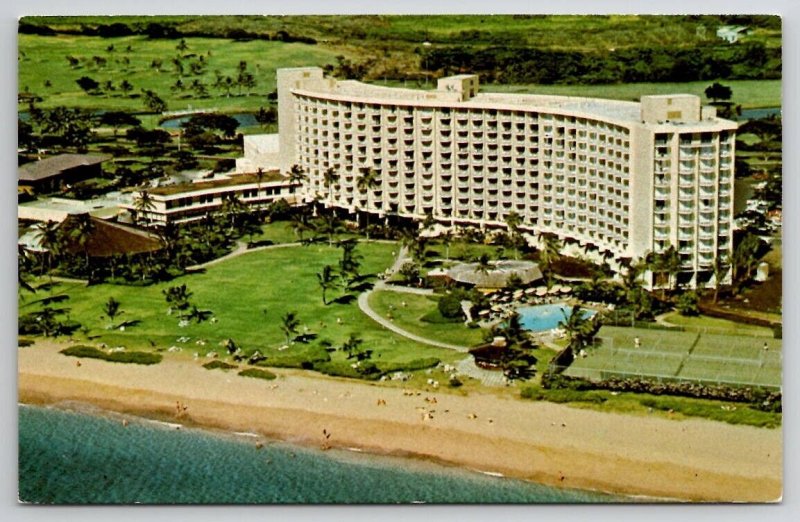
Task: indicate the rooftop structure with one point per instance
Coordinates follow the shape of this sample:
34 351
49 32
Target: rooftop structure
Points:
192 201
47 174
612 176
107 239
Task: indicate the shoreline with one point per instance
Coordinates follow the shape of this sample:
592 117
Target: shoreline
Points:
549 444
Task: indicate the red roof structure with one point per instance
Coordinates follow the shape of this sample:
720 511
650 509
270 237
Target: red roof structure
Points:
107 239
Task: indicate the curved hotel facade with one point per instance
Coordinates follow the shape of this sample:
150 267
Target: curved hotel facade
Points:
623 177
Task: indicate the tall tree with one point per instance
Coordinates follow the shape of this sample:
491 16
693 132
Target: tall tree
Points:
717 92
153 101
326 279
719 267
143 204
289 324
49 238
112 310
484 264
513 221
549 253
366 183
330 179
82 232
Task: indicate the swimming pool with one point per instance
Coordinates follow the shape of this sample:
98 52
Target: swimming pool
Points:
546 317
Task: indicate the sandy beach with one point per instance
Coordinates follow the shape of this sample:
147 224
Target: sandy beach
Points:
695 460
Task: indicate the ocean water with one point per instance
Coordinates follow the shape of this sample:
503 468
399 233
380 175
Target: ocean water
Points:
545 317
79 457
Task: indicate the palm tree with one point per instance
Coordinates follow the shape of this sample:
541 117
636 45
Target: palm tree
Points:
329 225
367 182
297 175
232 207
82 232
326 280
577 326
111 309
447 239
719 267
513 221
350 262
289 324
549 253
49 238
24 265
330 178
142 204
484 264
744 257
301 223
671 263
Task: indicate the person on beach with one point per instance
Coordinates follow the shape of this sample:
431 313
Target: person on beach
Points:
636 342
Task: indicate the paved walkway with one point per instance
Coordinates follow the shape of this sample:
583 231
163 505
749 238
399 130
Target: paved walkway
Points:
363 304
241 248
487 377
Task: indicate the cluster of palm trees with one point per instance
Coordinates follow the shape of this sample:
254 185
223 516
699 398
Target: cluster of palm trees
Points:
345 276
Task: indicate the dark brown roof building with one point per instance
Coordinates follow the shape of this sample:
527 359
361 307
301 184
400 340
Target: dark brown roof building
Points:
107 239
48 174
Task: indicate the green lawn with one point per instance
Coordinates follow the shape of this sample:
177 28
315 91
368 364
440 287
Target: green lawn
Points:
247 295
409 317
44 59
713 325
277 232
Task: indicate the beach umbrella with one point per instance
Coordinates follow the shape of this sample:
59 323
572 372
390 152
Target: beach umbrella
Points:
541 291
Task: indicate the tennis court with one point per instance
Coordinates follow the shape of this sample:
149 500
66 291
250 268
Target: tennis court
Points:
667 355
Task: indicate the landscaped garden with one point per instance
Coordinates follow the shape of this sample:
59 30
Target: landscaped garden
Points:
420 315
246 299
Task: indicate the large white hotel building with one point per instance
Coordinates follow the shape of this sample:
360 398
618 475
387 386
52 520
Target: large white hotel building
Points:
622 177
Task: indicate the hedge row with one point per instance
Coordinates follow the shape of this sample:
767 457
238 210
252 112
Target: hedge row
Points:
758 398
120 357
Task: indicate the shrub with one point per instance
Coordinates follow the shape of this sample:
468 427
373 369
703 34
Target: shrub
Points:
410 366
258 374
345 369
305 357
435 317
217 364
450 306
562 395
24 341
687 304
91 352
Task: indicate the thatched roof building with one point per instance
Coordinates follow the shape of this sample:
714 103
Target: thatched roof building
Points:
497 276
107 239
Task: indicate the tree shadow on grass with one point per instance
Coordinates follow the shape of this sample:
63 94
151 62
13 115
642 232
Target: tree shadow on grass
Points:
345 299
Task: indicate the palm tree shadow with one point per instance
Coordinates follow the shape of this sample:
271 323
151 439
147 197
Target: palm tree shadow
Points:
129 324
361 287
52 299
305 338
345 299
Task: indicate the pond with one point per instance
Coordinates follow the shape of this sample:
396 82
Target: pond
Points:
245 119
541 318
756 114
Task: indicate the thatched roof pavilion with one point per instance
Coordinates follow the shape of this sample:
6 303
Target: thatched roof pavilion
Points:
107 239
497 276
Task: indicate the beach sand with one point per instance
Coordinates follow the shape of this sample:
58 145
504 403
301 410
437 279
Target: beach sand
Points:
693 460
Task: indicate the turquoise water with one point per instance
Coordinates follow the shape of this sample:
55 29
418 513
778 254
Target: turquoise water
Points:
71 457
545 317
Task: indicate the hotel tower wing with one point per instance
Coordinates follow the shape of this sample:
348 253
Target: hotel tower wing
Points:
621 177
